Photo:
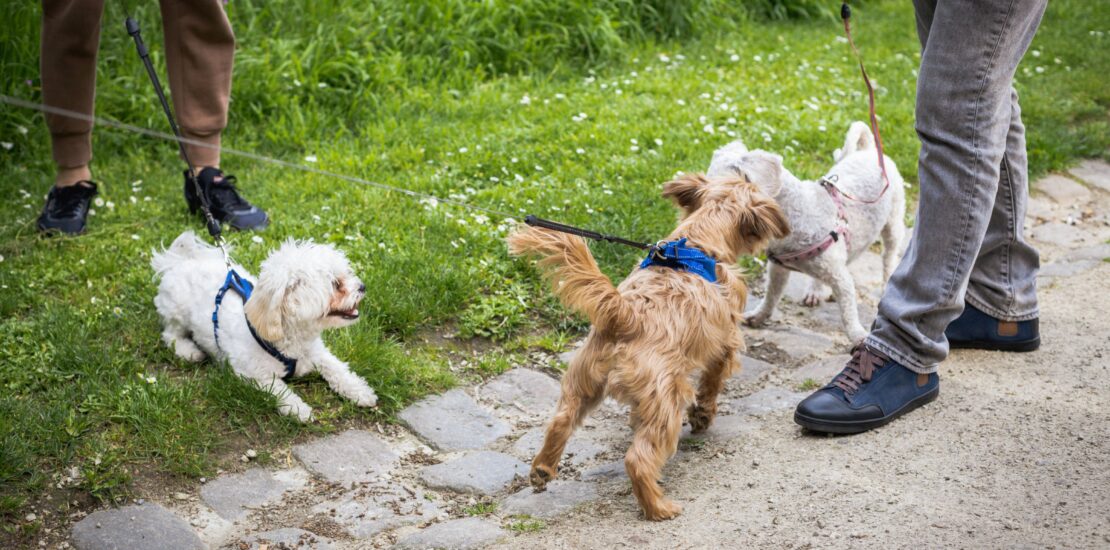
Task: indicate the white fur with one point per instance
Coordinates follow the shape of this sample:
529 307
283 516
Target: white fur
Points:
813 214
300 287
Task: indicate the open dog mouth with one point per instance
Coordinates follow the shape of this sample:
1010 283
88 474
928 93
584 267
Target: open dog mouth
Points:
348 314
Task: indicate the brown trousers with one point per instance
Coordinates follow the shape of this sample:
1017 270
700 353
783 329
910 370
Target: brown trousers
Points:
199 51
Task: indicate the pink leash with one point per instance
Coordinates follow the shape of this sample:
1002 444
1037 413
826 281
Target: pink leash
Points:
846 16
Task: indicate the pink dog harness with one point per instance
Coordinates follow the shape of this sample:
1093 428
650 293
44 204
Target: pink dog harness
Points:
790 260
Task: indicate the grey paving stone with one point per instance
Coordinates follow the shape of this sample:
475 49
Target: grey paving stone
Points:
828 317
1063 190
581 448
453 421
139 526
1059 233
480 472
607 471
751 368
522 393
369 510
560 497
1067 269
286 538
724 428
457 534
821 370
1098 252
1041 208
1094 172
350 457
232 496
767 400
796 342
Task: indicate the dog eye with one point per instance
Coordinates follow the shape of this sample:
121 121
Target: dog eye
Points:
337 284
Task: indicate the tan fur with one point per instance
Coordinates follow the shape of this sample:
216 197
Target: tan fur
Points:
658 332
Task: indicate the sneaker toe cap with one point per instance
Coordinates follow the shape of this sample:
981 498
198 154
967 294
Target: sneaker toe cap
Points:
826 405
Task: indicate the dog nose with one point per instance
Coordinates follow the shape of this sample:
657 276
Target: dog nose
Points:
362 288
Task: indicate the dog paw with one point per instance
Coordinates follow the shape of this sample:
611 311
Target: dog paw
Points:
700 418
663 510
755 319
857 335
301 411
813 299
366 399
540 476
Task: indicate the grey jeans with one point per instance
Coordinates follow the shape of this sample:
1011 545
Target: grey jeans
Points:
967 242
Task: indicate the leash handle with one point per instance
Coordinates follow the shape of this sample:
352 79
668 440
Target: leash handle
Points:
594 235
212 225
846 16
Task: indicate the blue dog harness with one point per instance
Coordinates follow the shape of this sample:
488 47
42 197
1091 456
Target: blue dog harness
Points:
676 255
243 288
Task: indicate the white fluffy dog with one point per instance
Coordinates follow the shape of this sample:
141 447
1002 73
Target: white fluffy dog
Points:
303 289
815 216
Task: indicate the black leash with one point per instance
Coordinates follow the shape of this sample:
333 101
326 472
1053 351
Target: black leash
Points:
594 235
214 228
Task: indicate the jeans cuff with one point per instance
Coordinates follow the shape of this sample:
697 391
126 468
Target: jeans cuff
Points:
999 314
903 359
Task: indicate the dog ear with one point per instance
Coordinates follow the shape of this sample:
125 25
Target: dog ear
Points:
762 169
265 309
763 220
686 191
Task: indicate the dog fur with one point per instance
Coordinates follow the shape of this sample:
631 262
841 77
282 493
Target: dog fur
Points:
303 289
813 215
657 332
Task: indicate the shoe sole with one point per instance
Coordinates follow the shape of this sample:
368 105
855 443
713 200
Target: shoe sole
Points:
855 427
989 345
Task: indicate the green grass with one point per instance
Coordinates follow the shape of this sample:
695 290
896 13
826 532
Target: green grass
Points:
86 382
523 523
809 384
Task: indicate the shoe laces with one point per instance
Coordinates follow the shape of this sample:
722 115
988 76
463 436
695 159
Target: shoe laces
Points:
859 370
225 194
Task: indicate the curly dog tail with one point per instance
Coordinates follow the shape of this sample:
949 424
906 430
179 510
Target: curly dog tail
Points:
575 277
185 247
858 138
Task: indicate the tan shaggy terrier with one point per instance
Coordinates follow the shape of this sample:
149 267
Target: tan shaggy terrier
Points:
660 332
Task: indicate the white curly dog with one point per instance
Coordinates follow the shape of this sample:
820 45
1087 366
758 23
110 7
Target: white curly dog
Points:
828 228
303 289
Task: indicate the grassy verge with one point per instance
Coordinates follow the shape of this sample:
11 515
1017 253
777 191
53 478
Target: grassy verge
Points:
91 399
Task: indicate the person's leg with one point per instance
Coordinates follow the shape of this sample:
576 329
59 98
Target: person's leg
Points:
970 53
200 49
964 112
1001 296
70 36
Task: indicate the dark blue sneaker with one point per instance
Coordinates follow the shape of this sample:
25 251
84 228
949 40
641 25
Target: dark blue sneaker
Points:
977 330
227 205
871 391
66 209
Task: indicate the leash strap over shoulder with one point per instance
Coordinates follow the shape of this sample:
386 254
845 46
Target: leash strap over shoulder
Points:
846 16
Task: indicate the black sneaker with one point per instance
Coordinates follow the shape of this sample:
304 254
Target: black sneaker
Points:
224 200
67 208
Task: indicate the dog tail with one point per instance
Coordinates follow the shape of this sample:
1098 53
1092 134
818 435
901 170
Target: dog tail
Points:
859 138
185 247
575 277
